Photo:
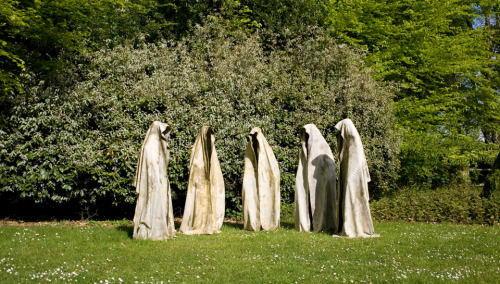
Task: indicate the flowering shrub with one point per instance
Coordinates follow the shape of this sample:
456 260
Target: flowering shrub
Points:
82 145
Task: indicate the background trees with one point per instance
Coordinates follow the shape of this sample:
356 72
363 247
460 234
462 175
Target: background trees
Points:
440 55
80 80
47 38
437 53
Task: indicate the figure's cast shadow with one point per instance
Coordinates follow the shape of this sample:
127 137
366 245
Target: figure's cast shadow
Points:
127 229
235 225
288 225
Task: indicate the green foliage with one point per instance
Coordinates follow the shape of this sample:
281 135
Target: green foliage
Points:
492 182
487 19
12 20
431 50
461 204
441 55
286 18
436 160
83 145
47 37
238 17
287 213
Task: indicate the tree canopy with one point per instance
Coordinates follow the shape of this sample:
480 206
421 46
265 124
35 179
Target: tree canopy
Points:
436 52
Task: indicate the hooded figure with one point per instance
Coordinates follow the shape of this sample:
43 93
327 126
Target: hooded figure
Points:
204 210
154 218
261 185
315 192
354 219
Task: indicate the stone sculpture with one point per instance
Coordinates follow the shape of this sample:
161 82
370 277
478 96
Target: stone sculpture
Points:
354 219
204 209
261 185
315 184
154 218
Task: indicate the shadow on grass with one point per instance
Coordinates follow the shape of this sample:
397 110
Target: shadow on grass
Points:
235 225
288 225
127 229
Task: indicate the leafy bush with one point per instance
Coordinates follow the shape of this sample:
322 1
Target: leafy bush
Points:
458 203
82 146
492 182
435 160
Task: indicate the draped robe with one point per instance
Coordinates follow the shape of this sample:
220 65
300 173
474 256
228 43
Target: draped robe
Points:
154 218
354 219
204 209
261 185
315 184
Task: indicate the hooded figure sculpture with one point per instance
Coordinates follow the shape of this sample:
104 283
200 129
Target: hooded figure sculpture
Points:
261 185
354 219
204 210
315 192
154 218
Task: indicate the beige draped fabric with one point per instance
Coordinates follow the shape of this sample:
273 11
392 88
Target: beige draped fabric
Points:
204 209
154 218
315 184
261 185
354 219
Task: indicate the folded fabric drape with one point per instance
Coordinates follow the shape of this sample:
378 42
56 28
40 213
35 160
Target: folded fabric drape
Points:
354 219
205 203
261 185
154 218
315 184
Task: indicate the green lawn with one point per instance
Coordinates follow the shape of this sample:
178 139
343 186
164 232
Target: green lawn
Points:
415 252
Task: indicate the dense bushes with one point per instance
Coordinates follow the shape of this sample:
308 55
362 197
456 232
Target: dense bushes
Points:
492 182
433 160
458 203
82 146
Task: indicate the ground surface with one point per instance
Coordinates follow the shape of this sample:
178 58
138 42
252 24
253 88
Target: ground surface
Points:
104 252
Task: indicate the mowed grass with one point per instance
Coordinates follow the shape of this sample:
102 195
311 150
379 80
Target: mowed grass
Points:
411 252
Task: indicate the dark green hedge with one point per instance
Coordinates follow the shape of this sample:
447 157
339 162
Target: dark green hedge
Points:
457 203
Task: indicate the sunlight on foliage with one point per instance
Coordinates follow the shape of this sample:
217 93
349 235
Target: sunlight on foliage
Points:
82 146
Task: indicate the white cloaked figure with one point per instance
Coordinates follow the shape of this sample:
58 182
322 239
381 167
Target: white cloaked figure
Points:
355 220
154 218
261 185
205 203
315 184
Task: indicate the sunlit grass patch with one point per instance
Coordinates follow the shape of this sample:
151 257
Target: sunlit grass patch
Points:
417 252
